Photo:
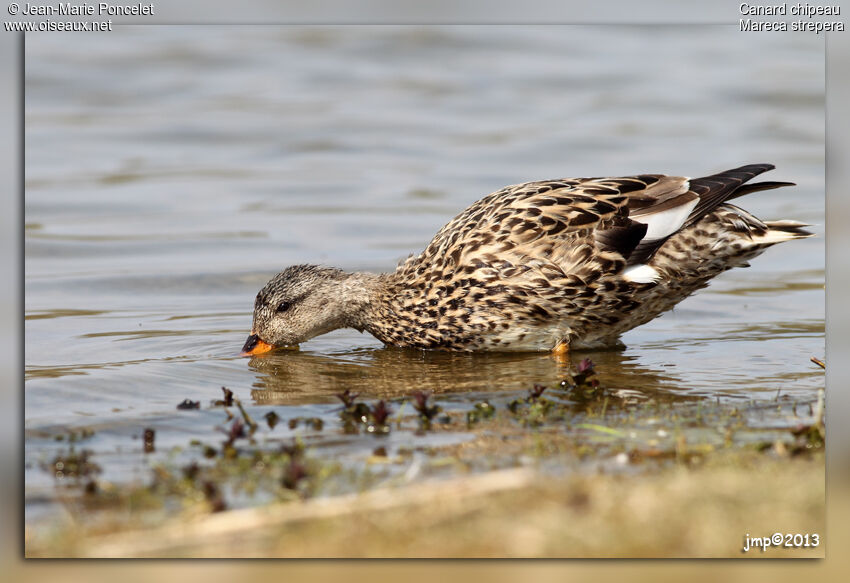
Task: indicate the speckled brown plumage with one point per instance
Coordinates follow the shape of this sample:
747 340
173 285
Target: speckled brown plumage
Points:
574 261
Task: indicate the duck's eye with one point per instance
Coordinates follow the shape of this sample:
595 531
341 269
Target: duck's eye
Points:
283 306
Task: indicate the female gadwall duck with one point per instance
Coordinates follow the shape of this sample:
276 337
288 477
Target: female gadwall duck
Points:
540 266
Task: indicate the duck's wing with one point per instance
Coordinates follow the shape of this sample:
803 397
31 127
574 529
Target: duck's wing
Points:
616 221
685 201
533 219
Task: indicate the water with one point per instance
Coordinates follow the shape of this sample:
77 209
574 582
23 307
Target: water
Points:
170 171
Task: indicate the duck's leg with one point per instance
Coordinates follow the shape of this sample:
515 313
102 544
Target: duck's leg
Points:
561 352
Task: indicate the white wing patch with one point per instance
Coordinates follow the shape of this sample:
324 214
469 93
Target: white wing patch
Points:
665 223
641 273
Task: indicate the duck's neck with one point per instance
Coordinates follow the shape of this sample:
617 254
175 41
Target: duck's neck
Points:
361 293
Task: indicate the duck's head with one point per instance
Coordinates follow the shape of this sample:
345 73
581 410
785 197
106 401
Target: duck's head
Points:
297 304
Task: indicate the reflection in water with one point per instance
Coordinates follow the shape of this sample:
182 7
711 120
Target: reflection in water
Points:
291 377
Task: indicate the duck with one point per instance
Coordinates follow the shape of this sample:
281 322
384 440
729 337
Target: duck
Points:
543 266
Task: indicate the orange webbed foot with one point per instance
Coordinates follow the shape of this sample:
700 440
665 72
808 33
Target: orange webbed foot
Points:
561 353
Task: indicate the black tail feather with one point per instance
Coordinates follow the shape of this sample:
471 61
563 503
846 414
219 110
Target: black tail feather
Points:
757 186
716 189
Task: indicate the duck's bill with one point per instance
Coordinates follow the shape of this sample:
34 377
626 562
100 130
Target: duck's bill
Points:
254 346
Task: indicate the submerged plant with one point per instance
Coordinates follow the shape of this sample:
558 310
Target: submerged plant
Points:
378 416
535 392
73 465
296 472
315 423
347 398
426 412
237 430
252 425
481 410
533 409
227 401
583 384
353 413
148 436
272 419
